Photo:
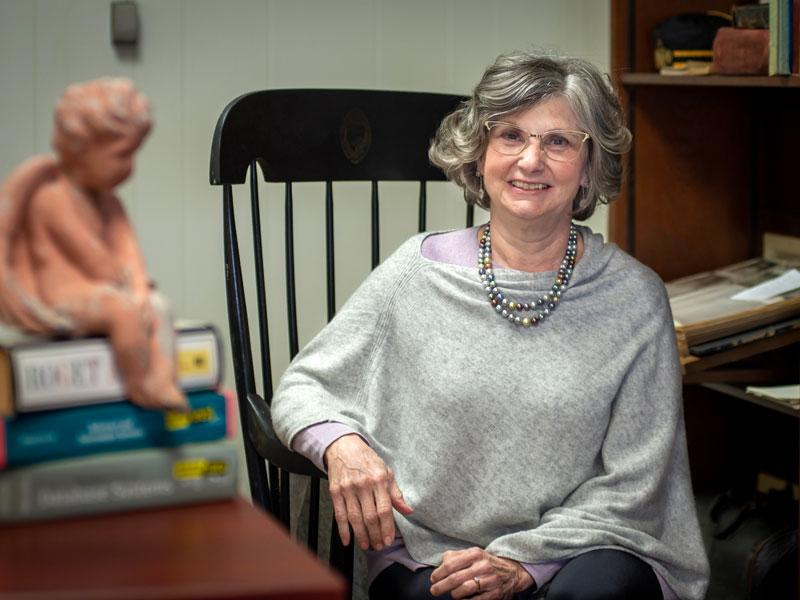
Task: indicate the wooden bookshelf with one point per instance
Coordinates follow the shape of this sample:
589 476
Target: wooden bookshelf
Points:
712 168
714 158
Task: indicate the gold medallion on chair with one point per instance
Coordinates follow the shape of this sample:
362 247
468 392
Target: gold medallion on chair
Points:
355 135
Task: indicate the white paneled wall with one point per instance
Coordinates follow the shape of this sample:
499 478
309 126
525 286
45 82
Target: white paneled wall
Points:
197 55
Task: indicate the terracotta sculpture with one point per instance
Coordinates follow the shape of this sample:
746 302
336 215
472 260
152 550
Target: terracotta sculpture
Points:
69 259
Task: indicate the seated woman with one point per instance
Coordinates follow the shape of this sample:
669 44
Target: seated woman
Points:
69 260
511 390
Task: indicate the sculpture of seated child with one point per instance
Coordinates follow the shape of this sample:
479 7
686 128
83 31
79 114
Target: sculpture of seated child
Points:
69 260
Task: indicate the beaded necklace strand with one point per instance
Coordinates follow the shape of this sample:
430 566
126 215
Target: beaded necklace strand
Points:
509 308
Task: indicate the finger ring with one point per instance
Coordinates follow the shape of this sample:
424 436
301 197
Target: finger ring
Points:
477 580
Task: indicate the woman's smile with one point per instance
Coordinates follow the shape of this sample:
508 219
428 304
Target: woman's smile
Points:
529 185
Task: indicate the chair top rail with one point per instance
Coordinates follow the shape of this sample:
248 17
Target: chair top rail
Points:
329 135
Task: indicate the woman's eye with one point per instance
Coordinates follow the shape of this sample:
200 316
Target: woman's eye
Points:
512 135
556 140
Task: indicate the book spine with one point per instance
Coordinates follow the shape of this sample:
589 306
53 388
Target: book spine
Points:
57 374
120 481
69 432
780 23
786 45
795 37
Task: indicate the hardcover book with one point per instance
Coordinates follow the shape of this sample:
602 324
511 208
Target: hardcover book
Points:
119 481
77 431
780 37
795 58
39 373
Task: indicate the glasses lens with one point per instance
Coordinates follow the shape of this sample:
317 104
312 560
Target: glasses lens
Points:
562 145
507 139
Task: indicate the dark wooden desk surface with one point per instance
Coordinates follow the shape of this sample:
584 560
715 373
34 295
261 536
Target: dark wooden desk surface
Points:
223 550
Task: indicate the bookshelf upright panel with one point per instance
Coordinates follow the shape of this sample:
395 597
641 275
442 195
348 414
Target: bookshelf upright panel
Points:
713 166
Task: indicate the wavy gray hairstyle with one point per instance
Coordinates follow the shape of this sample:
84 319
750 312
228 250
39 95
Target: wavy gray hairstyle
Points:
518 81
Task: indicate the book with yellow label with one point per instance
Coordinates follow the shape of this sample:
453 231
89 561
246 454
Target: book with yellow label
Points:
41 373
119 481
76 431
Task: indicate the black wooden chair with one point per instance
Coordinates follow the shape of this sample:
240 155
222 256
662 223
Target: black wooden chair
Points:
300 136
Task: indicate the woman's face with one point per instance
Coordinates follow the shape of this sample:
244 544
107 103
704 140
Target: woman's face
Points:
531 186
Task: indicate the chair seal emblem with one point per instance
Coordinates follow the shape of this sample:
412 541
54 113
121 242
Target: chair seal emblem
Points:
355 135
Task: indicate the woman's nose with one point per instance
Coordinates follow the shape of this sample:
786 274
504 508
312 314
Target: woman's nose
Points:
532 156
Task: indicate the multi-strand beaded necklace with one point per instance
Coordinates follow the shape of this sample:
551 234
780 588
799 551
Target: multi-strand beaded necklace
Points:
540 308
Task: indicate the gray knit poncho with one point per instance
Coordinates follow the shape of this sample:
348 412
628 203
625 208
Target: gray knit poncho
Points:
534 443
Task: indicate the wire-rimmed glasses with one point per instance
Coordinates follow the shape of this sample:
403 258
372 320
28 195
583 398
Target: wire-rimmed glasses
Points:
557 144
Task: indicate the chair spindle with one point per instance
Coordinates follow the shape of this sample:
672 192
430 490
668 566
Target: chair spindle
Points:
376 242
423 206
329 262
263 328
291 308
240 346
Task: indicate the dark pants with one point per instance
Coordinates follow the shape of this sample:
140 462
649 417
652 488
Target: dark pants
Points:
596 575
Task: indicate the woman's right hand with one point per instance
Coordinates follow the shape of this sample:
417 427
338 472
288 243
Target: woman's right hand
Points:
363 491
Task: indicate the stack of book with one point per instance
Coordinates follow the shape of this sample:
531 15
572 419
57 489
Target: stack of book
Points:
71 444
755 299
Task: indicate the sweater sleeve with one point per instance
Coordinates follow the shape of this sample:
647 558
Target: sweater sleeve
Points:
313 441
639 498
327 380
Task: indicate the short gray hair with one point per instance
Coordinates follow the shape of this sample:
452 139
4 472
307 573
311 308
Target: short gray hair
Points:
517 81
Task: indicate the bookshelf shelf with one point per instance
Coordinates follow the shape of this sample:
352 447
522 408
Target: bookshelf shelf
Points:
694 367
632 80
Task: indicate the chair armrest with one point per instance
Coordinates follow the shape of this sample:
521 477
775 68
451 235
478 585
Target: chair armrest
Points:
267 444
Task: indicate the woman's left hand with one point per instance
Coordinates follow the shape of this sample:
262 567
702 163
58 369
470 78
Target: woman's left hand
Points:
475 573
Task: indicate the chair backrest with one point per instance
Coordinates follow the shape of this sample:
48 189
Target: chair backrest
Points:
300 136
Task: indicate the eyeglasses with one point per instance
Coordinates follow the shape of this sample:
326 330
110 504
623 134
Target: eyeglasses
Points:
557 144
